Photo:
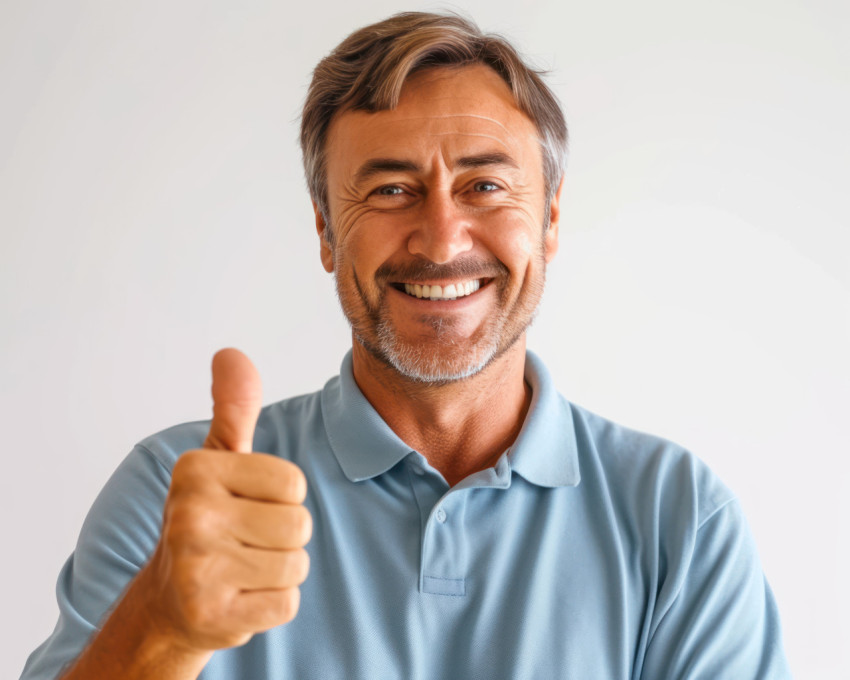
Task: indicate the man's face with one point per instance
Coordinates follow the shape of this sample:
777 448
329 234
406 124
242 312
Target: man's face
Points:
437 213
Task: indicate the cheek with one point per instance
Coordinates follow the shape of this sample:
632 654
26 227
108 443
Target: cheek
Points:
515 243
522 244
516 232
367 245
345 224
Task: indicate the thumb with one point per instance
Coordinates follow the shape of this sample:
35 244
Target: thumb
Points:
237 397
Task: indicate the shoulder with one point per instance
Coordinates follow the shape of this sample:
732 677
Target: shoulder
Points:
648 475
278 425
681 533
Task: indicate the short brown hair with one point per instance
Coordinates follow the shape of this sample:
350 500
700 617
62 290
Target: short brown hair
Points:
367 70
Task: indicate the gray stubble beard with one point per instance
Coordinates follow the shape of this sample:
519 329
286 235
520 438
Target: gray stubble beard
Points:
411 360
429 368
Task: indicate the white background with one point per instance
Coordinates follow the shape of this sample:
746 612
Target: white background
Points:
152 210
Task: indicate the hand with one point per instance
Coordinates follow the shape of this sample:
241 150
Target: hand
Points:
231 555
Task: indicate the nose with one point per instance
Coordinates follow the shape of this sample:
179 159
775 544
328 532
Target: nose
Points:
442 229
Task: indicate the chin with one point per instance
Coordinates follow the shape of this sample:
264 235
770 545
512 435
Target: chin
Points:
435 362
420 365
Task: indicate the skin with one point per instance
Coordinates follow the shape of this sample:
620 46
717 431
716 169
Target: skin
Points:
230 557
231 554
445 187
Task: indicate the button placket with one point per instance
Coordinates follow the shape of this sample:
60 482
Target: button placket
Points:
444 547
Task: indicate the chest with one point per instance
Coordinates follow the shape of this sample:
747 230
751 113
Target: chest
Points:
409 579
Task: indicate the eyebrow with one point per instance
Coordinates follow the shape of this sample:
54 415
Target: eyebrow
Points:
485 159
378 166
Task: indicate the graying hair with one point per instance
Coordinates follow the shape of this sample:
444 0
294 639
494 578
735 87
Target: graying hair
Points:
367 71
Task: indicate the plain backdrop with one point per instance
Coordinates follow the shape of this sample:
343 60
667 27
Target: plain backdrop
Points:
153 210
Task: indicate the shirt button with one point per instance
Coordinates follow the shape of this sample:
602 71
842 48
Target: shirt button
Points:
417 470
441 515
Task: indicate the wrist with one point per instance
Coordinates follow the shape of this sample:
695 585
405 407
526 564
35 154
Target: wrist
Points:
137 642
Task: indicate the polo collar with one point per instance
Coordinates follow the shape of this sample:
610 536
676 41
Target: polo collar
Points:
363 443
544 453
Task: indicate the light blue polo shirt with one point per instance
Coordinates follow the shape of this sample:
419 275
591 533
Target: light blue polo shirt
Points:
589 551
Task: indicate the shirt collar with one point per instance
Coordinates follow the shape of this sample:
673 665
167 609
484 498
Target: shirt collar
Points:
363 443
544 453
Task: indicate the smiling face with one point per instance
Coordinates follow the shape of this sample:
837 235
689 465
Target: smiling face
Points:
437 209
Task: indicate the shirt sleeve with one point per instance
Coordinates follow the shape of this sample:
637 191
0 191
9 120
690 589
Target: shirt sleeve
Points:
722 621
116 540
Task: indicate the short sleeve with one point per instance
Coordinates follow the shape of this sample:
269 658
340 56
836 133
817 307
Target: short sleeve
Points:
117 538
722 622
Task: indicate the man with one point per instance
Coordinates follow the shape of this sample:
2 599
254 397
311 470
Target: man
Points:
457 517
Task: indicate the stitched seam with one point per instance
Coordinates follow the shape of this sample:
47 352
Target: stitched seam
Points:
163 467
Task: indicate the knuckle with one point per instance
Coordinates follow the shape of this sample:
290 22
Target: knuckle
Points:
302 566
201 614
195 582
295 567
186 517
235 639
190 521
295 483
191 472
299 482
302 524
188 464
288 604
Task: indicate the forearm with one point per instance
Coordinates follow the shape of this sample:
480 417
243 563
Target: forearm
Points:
131 646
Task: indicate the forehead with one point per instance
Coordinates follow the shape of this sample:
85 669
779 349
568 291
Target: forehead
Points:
446 111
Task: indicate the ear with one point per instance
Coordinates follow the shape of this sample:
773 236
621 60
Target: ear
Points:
550 238
325 251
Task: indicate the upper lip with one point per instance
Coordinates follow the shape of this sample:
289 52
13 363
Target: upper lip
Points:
440 282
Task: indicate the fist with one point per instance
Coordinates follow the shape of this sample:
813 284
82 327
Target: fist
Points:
231 555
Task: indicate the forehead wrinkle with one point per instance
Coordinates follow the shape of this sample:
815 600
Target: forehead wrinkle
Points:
468 134
452 116
477 116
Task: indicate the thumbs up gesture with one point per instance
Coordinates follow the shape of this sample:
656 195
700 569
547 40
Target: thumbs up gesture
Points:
231 555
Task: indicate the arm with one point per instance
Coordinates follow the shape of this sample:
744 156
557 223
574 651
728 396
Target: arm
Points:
226 564
131 646
720 620
117 538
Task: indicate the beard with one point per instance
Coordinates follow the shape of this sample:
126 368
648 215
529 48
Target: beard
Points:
441 353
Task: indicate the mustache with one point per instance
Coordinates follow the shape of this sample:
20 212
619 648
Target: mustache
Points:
463 268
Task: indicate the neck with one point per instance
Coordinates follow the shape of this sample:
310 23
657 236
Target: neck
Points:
460 427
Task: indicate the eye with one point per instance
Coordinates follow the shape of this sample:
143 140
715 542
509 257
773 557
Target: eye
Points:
392 196
389 190
485 186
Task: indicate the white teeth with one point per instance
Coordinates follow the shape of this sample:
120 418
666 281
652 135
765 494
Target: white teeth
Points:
436 292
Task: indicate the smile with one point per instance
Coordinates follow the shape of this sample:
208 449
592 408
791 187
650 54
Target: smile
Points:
451 291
